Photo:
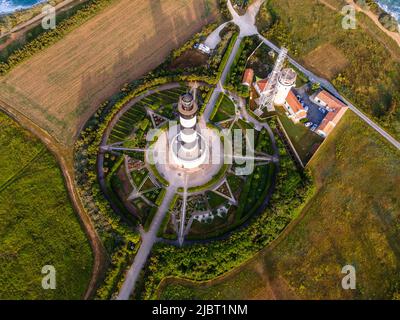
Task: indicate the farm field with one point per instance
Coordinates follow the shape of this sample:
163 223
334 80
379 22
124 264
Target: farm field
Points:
38 225
62 86
363 64
351 220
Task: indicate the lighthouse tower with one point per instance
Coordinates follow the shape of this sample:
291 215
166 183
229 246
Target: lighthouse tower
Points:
286 81
188 147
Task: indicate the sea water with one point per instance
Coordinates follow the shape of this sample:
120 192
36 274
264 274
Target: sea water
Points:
391 6
8 6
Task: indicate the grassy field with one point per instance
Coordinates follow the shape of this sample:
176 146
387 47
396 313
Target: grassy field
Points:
61 87
362 63
38 226
353 219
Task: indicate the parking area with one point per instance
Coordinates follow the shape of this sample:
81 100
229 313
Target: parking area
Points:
315 114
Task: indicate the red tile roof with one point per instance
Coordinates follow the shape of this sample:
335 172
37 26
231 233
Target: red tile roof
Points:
334 116
295 105
248 77
262 84
330 100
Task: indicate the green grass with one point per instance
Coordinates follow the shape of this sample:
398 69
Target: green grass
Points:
215 200
38 225
223 110
352 219
303 139
186 290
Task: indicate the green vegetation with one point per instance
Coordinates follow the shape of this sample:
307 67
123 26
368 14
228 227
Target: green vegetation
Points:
227 54
235 76
223 8
257 185
38 224
352 219
178 289
224 109
386 19
202 262
371 75
35 32
304 140
9 21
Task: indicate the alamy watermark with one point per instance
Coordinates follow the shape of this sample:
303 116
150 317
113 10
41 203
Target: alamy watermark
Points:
49 280
49 21
349 20
349 280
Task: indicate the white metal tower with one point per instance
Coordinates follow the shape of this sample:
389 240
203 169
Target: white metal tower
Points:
267 97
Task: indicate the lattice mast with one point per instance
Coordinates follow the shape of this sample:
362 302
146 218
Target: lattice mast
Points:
267 97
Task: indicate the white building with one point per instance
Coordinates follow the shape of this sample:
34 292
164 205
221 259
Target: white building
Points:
286 81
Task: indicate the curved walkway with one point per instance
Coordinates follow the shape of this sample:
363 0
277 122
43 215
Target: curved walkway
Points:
107 132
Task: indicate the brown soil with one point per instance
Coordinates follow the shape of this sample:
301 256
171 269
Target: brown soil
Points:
61 87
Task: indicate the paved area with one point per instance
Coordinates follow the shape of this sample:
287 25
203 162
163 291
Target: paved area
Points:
189 177
314 114
214 39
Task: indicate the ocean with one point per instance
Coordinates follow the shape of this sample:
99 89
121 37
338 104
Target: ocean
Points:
7 6
391 6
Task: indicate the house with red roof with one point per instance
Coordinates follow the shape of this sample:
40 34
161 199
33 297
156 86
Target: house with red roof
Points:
294 108
336 110
248 77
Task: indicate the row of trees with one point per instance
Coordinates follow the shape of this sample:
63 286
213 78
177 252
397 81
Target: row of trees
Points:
234 80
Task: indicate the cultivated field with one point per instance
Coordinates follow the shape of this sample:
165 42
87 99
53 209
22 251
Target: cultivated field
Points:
62 86
38 226
353 219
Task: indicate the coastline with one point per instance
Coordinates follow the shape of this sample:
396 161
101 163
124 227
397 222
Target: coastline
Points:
375 18
388 10
4 11
12 20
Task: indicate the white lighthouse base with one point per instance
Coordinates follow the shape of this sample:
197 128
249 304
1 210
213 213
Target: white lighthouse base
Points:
198 170
189 159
